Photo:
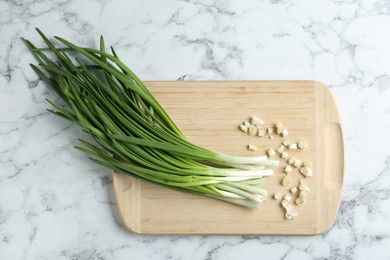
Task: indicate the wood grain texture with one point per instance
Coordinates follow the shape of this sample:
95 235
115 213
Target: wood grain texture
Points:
208 113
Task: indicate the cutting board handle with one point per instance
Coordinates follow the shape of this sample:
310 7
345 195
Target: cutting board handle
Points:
334 157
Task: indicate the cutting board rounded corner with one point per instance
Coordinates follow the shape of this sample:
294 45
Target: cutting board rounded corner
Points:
125 191
323 86
325 228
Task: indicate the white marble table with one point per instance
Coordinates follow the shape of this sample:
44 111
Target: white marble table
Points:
55 204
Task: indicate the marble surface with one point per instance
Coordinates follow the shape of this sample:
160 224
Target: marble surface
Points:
55 204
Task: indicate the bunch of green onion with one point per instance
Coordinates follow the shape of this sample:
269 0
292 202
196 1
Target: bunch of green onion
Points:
131 131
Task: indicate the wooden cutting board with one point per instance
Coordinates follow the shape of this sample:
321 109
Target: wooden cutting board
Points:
209 112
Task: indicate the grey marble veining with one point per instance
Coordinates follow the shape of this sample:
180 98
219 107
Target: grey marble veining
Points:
56 205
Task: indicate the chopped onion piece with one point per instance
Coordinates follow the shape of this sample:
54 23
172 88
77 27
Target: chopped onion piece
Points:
278 125
261 133
291 160
297 163
280 149
284 132
292 146
252 147
286 180
257 121
284 155
279 128
299 201
289 208
287 169
306 171
293 190
302 144
252 130
244 128
270 152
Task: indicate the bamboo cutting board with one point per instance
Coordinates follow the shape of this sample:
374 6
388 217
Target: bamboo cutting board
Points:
209 113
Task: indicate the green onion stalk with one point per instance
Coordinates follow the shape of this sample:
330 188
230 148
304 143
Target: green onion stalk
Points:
131 131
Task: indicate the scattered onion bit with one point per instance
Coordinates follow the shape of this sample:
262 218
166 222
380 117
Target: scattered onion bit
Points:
252 147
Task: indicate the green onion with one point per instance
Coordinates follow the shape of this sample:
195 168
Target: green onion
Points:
132 133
